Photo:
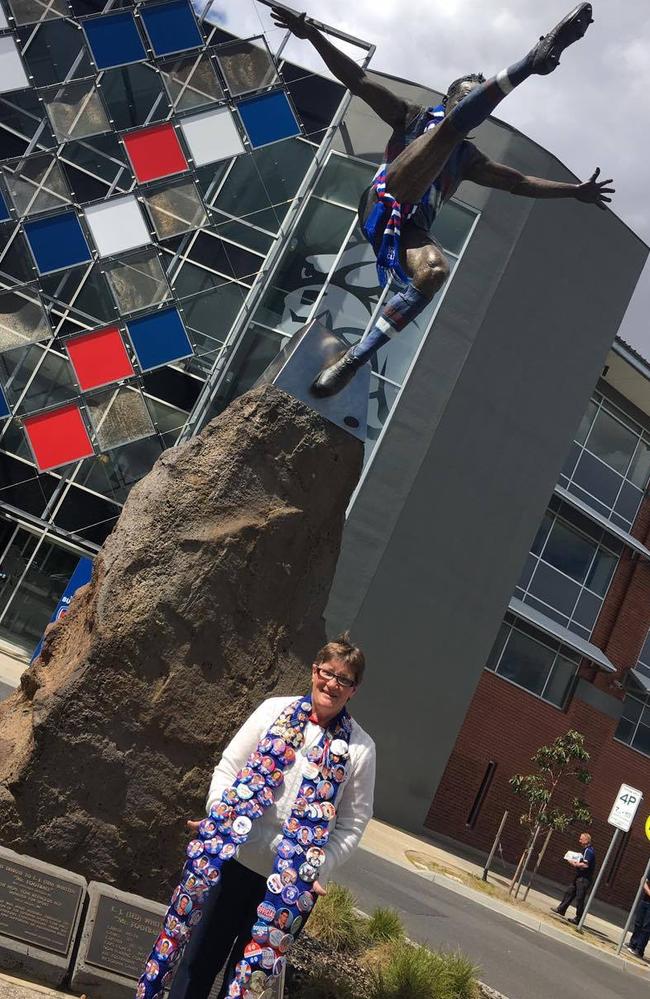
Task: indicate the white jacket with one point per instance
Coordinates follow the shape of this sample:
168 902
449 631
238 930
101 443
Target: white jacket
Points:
353 803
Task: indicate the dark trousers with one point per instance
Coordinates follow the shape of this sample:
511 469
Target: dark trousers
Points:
225 929
641 934
576 894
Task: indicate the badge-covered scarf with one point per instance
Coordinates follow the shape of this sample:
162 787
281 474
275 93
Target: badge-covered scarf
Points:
388 215
289 897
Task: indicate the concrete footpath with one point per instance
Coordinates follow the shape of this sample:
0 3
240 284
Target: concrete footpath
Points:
15 988
440 864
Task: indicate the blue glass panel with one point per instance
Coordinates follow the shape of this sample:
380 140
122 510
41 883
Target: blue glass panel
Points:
268 118
4 408
171 27
4 214
57 242
114 40
159 338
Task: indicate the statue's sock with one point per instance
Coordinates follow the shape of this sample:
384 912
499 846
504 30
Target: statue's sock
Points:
481 102
398 311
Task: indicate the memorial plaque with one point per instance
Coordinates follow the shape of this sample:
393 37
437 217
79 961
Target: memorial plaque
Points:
122 937
37 908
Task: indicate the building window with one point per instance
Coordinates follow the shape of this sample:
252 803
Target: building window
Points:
608 465
541 666
634 725
569 569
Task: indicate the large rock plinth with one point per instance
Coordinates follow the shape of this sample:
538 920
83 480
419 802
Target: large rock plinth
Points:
207 597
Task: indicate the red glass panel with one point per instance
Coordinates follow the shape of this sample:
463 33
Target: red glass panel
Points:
99 358
58 437
155 152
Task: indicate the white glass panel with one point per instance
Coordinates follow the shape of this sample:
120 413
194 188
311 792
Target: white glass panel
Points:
212 136
12 73
117 225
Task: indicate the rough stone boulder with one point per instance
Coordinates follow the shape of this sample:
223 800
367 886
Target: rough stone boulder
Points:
207 597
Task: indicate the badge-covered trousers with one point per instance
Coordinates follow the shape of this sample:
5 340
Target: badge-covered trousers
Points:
224 930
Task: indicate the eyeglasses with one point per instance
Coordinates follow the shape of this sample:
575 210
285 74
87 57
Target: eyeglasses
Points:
341 679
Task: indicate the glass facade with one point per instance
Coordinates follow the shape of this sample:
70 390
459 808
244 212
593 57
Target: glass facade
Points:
634 725
538 664
608 465
169 214
569 569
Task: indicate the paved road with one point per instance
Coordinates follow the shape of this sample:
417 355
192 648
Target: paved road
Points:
517 961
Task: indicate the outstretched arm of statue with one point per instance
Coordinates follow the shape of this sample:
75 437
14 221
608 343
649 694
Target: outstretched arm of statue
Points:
390 108
487 173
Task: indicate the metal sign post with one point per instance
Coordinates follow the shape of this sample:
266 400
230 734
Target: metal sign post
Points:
621 817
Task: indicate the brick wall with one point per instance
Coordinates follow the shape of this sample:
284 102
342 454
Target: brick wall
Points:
506 725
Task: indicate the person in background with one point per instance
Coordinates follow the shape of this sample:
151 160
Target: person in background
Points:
576 893
641 931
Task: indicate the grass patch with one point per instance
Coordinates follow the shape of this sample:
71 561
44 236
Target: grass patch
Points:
336 923
326 986
409 971
384 925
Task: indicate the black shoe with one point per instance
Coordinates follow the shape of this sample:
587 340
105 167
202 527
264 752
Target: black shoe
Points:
575 921
547 52
632 950
559 911
335 377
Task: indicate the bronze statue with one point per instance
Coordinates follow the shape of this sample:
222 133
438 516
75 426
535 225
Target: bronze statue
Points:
427 157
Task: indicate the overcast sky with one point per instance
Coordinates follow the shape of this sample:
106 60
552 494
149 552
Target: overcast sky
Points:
593 111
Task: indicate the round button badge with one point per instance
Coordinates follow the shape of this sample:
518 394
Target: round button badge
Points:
315 856
274 883
257 983
207 828
260 933
275 937
286 849
308 873
339 747
304 836
194 848
267 765
212 846
305 902
242 825
286 943
290 894
266 911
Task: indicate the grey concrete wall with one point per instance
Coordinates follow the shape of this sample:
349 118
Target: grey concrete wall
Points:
435 542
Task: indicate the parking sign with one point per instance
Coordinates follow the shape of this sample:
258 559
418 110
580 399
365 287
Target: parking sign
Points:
624 808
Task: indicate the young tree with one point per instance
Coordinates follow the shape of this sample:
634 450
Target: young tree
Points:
559 763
